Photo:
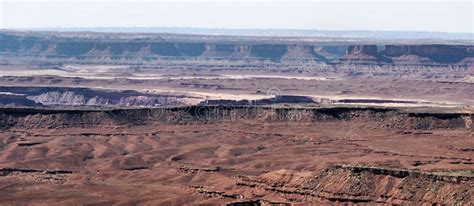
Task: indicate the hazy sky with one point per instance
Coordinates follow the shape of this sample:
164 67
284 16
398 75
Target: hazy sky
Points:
421 15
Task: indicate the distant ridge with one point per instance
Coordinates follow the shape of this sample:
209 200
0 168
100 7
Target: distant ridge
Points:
274 32
140 47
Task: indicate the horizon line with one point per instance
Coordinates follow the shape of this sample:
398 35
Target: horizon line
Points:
224 28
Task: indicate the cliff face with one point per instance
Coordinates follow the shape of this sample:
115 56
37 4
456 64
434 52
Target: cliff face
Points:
142 50
369 185
384 118
150 49
64 96
444 54
364 55
410 55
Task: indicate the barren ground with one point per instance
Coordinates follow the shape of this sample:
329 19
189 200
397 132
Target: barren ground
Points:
207 161
105 119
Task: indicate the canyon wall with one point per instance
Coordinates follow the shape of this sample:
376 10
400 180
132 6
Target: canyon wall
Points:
384 118
352 184
90 48
68 96
410 54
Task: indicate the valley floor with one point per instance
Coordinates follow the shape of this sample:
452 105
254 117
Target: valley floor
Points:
232 161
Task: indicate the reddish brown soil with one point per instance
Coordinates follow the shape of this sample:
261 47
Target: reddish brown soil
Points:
83 142
226 161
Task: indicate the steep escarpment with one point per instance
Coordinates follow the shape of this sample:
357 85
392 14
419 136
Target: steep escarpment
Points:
142 49
444 54
383 118
279 99
67 96
95 49
367 184
363 55
428 55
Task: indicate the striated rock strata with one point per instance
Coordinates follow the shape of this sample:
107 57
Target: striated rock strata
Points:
106 48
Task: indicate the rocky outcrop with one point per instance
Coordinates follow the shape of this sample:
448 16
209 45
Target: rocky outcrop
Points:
367 184
363 55
148 50
9 171
419 55
64 96
384 118
95 49
279 99
441 54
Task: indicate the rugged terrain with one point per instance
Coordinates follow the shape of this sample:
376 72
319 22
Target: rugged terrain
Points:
206 154
115 47
160 119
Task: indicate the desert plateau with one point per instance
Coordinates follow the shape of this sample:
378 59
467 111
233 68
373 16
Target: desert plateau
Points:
97 118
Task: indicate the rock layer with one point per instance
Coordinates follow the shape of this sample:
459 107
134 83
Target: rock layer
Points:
65 96
367 184
385 118
96 49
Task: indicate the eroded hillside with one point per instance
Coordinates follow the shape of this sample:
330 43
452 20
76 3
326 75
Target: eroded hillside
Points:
171 119
236 155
